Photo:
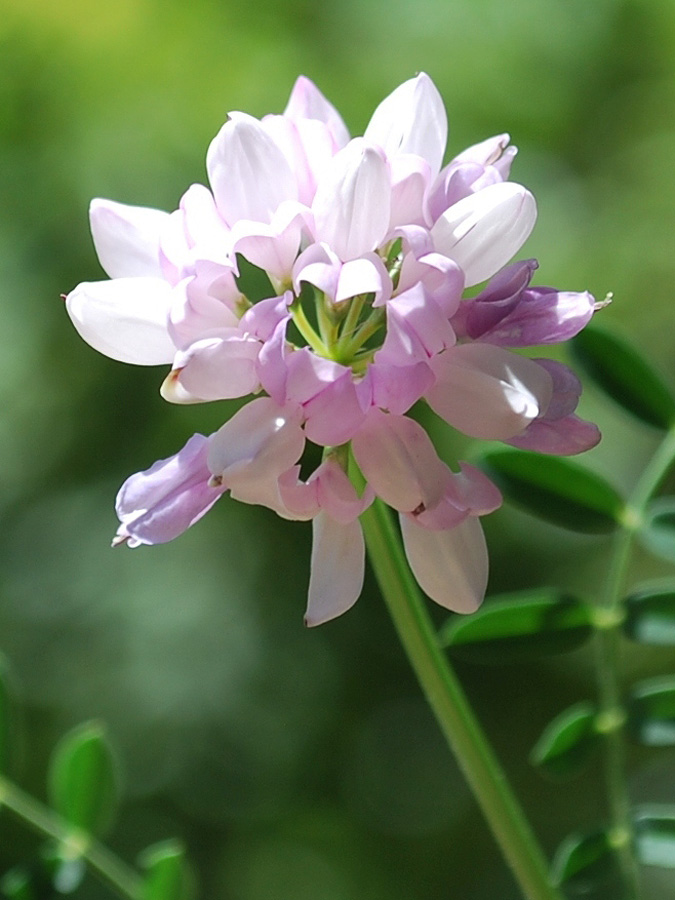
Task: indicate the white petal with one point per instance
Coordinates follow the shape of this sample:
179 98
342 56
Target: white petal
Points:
307 102
488 392
412 120
450 566
127 238
352 202
126 319
249 173
338 561
483 231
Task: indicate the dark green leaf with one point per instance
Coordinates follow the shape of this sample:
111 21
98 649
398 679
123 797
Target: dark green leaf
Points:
520 624
651 712
587 863
567 741
168 875
623 374
650 616
657 533
556 490
82 778
655 836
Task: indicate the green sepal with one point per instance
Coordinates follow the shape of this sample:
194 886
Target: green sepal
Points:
168 875
82 779
567 741
657 531
655 836
650 615
586 865
519 624
625 376
556 490
651 712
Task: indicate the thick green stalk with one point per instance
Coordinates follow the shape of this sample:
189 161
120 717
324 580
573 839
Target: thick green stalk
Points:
451 708
120 877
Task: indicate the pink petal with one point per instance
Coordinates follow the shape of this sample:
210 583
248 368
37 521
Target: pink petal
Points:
399 461
338 564
249 173
411 120
483 231
126 319
259 442
307 102
352 203
127 238
562 437
487 392
220 367
450 566
157 505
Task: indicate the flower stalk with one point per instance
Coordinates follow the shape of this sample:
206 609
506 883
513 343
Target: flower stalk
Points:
451 708
123 880
607 658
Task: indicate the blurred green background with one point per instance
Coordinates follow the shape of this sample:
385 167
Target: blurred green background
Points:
297 765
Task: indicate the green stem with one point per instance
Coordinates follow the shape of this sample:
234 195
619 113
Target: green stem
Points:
451 708
607 662
76 843
304 326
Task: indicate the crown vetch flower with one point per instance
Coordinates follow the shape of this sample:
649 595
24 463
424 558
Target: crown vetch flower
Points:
368 244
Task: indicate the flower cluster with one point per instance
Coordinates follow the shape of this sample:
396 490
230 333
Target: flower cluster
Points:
368 244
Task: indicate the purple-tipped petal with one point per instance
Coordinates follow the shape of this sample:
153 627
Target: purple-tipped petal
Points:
561 437
157 505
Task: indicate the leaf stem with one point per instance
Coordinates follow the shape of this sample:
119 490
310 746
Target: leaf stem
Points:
451 708
607 659
121 878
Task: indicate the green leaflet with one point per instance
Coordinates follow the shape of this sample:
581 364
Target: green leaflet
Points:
657 532
650 615
567 741
82 778
519 624
168 876
651 712
586 864
625 376
655 836
556 490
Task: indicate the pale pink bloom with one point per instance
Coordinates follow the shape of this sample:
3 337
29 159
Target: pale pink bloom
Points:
367 244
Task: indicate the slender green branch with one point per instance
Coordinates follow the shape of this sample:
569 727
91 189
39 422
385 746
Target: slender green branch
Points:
75 843
451 708
607 660
305 328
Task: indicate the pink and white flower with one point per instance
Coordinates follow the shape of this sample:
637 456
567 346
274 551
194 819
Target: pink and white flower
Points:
368 244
